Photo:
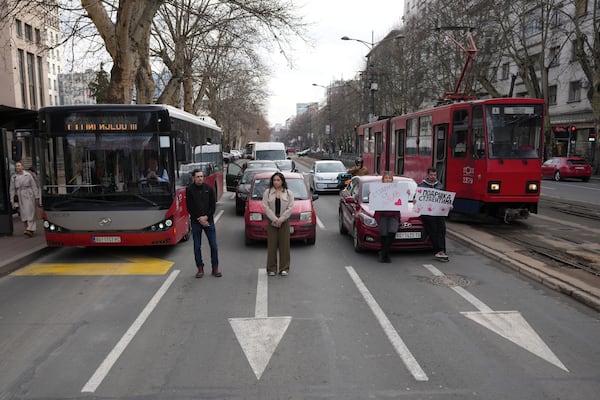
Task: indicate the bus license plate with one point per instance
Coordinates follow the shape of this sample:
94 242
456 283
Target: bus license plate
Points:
106 239
408 235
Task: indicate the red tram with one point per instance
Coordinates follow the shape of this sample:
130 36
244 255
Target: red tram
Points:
488 151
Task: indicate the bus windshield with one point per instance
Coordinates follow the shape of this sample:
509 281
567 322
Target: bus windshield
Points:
514 131
108 169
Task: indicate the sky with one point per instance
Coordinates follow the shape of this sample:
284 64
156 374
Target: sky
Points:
330 58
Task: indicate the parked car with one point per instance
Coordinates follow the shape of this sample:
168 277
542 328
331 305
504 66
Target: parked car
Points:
303 153
243 187
323 176
567 167
356 218
303 222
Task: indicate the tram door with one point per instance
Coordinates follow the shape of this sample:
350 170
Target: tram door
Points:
378 151
439 151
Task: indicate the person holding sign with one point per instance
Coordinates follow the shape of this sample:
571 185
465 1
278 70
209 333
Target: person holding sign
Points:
388 221
435 225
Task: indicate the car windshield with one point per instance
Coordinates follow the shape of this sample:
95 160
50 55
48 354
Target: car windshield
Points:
285 165
250 173
261 164
330 167
296 185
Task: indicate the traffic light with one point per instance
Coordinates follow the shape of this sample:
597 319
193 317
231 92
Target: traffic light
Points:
591 136
572 130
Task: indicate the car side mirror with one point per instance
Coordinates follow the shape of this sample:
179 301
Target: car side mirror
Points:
315 196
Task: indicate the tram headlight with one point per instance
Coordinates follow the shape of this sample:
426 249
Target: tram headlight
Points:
494 187
532 187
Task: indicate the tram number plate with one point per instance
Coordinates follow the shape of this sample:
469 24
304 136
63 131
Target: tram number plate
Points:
408 235
106 239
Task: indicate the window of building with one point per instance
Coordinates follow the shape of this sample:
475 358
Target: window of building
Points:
533 23
574 45
19 28
574 91
31 80
552 90
40 79
504 70
28 33
554 56
38 36
22 79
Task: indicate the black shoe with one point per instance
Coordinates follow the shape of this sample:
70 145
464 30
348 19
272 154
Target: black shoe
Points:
216 273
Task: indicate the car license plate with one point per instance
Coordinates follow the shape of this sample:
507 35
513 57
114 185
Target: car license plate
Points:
332 185
291 230
408 235
106 239
579 168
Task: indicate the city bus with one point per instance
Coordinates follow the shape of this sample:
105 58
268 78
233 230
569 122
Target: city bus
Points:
488 151
115 175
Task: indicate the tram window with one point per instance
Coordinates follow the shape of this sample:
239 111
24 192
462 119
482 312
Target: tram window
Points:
411 137
460 129
478 133
425 135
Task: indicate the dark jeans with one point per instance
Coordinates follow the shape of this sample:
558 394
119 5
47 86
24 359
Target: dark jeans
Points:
211 234
436 229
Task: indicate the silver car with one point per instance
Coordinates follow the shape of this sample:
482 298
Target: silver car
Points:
323 176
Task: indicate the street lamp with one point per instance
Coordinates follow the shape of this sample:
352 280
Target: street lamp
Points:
373 86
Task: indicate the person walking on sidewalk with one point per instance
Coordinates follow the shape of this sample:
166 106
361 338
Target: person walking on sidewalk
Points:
278 202
25 192
201 204
435 226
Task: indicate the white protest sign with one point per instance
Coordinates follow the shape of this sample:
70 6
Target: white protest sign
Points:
392 196
433 201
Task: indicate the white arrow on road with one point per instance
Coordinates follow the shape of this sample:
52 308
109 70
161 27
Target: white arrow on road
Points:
509 324
259 336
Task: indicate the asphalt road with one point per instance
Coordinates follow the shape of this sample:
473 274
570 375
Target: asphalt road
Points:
343 326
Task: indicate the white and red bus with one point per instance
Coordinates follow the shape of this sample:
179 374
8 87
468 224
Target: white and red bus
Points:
488 151
115 175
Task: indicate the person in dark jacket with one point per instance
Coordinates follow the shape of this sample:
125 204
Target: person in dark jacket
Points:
201 204
435 225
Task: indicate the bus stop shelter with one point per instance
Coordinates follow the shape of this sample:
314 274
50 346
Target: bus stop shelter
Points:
11 118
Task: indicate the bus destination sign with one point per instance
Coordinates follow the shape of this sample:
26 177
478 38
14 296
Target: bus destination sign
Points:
90 123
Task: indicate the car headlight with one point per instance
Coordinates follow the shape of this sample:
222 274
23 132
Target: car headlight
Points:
255 216
306 216
367 220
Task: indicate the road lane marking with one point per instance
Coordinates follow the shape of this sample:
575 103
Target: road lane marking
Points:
511 325
407 358
106 365
320 223
132 266
260 336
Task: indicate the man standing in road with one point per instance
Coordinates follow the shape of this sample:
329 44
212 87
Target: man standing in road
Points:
201 204
435 225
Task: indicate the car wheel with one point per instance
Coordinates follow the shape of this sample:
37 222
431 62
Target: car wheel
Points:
343 229
557 176
355 240
312 240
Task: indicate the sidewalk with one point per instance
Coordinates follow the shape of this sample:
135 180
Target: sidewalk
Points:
17 250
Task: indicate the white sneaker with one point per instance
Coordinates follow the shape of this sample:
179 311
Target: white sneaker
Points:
440 255
284 273
271 273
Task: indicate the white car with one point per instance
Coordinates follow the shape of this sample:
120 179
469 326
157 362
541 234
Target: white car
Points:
323 176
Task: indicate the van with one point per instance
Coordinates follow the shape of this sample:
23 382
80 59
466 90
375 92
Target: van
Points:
268 151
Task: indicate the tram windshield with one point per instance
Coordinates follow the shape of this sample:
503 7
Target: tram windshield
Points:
514 131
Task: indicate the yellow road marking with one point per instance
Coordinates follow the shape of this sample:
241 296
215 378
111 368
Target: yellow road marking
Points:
133 266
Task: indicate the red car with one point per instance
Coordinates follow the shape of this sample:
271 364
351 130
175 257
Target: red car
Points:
559 168
356 217
303 222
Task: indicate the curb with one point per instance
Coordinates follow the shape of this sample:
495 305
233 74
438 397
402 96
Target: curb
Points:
19 261
535 270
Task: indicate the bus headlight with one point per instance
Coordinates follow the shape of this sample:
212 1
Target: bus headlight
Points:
494 187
